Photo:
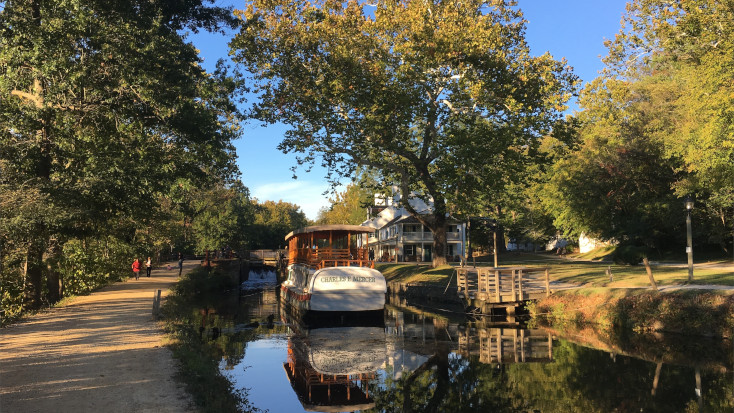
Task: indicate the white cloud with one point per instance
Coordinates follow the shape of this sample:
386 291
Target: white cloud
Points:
305 194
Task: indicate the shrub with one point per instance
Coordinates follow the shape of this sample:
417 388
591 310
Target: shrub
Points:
629 254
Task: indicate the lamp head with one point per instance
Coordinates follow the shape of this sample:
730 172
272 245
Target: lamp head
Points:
689 203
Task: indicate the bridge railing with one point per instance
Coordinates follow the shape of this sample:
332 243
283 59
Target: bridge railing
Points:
503 284
501 346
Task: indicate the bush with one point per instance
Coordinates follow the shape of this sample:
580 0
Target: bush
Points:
629 254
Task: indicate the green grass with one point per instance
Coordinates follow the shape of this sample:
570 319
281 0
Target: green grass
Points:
587 273
412 273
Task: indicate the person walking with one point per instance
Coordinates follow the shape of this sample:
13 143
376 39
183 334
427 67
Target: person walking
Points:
136 268
180 263
148 267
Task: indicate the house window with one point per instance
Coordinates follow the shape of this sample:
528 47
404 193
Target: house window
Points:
412 228
450 250
393 230
408 250
452 228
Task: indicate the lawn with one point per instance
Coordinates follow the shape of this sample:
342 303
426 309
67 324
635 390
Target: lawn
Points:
571 270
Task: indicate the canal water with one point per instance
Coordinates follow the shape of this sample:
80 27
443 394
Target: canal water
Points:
429 358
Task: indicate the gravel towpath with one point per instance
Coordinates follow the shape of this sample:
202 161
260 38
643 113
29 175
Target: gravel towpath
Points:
101 352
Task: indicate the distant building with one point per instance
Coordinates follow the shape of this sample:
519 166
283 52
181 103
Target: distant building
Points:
400 234
587 243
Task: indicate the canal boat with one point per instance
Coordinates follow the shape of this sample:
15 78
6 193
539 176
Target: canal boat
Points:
331 368
329 272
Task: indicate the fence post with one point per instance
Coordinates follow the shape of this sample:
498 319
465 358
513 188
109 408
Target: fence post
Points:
547 283
156 302
497 285
522 297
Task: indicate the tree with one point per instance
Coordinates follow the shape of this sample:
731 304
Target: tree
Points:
347 207
442 99
103 106
273 221
222 216
617 185
685 49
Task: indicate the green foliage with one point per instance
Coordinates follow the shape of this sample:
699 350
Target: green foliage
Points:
103 108
221 217
86 265
617 185
348 207
656 126
273 221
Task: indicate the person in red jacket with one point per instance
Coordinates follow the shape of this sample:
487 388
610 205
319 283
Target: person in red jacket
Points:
136 268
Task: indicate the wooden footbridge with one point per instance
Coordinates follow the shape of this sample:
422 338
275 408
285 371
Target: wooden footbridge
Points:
485 289
506 345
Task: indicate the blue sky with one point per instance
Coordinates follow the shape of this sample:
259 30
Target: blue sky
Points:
574 29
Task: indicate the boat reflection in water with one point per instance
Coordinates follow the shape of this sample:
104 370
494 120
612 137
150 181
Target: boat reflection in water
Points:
331 367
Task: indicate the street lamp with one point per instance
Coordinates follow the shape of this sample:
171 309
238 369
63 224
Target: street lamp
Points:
689 238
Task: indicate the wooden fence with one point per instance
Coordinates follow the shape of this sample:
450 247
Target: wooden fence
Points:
502 285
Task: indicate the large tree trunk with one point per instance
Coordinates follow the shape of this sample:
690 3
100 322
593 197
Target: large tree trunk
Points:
439 241
438 228
34 265
53 277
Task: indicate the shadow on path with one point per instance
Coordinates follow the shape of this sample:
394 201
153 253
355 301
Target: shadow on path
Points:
98 352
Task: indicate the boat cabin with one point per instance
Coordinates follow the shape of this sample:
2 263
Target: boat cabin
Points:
323 246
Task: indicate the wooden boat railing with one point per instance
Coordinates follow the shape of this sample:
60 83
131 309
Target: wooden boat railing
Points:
330 257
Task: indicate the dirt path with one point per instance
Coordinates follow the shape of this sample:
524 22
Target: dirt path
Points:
101 352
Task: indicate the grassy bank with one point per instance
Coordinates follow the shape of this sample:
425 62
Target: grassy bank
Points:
586 273
692 312
413 273
622 302
193 302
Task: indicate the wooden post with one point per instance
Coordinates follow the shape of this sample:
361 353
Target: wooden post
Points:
497 285
649 274
657 378
547 283
156 302
522 344
609 273
522 297
512 278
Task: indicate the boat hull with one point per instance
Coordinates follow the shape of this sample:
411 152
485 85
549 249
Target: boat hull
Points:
335 289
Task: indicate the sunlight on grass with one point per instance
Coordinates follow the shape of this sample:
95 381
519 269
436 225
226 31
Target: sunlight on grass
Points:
587 273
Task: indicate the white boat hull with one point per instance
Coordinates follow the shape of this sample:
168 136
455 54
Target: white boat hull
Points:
335 289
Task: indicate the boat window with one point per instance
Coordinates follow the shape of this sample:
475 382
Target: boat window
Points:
340 242
322 243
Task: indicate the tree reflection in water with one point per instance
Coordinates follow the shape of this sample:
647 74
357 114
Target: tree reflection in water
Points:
433 364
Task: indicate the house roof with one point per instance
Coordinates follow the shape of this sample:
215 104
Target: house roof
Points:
409 219
326 228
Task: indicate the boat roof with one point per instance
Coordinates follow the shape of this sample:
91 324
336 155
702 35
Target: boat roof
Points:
327 228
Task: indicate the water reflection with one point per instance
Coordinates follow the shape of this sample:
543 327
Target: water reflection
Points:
331 369
417 361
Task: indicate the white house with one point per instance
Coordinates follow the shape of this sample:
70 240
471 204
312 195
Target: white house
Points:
400 236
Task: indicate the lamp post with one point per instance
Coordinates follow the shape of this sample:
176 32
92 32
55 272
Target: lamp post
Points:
689 238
